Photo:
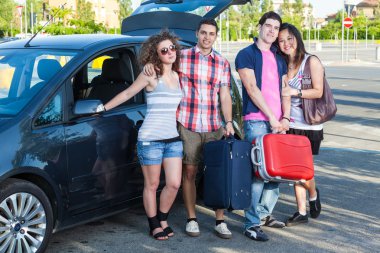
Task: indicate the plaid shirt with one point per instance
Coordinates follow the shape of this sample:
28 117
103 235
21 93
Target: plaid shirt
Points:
201 78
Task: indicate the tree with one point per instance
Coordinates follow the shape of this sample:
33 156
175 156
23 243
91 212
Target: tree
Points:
250 15
61 14
266 5
286 9
7 9
298 11
84 10
125 8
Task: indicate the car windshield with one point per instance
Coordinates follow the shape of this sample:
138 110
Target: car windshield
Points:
189 6
23 72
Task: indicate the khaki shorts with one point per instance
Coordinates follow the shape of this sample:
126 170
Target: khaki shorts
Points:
193 143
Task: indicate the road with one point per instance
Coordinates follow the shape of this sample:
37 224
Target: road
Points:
347 174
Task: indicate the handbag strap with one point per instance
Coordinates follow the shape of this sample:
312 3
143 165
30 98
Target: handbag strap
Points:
306 74
306 69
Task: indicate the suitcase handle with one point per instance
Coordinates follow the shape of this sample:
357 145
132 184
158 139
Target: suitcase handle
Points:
253 155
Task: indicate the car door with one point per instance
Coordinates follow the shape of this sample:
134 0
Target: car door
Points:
101 148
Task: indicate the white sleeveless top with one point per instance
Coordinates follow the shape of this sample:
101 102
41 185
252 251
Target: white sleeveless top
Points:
297 120
160 121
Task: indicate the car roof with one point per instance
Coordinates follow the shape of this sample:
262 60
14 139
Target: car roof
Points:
74 42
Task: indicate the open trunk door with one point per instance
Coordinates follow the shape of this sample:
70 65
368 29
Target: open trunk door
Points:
180 16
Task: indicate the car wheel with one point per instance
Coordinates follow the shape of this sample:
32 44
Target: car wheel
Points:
26 217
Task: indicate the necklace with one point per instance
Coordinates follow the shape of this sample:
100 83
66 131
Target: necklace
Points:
291 66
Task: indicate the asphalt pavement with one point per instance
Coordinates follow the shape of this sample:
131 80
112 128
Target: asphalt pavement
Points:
347 174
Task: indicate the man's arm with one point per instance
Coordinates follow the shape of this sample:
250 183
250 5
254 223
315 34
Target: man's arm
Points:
248 79
226 102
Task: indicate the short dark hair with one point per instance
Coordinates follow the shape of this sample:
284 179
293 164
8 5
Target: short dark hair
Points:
270 15
300 50
208 21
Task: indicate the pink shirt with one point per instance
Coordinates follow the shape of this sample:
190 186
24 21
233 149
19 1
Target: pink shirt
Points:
269 88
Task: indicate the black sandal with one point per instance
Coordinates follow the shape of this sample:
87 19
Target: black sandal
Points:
153 224
164 217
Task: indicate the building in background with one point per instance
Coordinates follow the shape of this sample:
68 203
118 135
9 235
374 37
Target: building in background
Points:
368 8
106 11
307 11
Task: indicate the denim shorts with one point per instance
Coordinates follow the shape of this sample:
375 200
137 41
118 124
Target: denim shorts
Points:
153 152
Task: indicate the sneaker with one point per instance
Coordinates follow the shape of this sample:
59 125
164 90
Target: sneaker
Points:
315 206
222 231
255 233
297 219
192 228
272 222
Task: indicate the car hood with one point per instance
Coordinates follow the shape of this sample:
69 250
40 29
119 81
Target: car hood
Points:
180 16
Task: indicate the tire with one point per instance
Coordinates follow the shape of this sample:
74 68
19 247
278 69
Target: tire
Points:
26 217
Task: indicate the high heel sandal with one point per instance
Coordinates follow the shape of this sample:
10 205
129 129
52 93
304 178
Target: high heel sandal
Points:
153 224
164 217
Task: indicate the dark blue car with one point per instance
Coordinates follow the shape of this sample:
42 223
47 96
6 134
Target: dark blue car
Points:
63 160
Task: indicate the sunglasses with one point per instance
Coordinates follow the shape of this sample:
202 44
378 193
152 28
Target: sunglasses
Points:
165 50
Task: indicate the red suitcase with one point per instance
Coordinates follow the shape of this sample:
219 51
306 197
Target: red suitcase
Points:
283 158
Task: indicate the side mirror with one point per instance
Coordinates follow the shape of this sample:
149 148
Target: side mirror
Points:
93 106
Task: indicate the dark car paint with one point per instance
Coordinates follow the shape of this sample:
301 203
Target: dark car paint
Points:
63 155
63 159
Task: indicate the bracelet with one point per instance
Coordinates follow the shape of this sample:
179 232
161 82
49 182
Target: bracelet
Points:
286 118
230 121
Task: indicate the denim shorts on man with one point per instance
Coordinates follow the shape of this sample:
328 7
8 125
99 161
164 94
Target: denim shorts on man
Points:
153 152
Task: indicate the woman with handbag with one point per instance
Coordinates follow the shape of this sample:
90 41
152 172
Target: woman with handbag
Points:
291 45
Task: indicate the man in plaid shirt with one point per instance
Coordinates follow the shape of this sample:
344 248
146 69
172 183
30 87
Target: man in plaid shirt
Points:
205 80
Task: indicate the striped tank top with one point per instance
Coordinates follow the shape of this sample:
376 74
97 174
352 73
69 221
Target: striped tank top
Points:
297 120
160 121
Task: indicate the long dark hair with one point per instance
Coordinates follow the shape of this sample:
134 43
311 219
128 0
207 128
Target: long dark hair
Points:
300 50
148 51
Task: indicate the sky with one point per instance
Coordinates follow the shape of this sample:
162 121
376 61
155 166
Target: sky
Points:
322 8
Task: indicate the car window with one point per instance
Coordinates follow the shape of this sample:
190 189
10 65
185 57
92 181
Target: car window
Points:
6 76
52 112
94 68
23 72
107 75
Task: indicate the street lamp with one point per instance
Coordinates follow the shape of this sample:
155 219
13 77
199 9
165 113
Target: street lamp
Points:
366 32
19 10
117 18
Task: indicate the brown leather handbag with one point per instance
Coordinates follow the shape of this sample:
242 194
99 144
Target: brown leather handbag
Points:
318 110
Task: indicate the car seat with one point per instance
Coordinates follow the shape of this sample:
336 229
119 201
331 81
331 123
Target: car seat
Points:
115 78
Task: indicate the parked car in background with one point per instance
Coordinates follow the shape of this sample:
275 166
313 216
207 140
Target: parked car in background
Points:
6 39
64 161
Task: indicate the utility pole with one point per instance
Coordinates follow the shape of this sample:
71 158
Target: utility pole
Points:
32 17
342 31
348 31
366 32
26 20
220 33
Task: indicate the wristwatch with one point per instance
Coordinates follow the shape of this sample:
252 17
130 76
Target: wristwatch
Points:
299 93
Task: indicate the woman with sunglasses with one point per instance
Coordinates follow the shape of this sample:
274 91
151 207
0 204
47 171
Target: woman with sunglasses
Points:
159 144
